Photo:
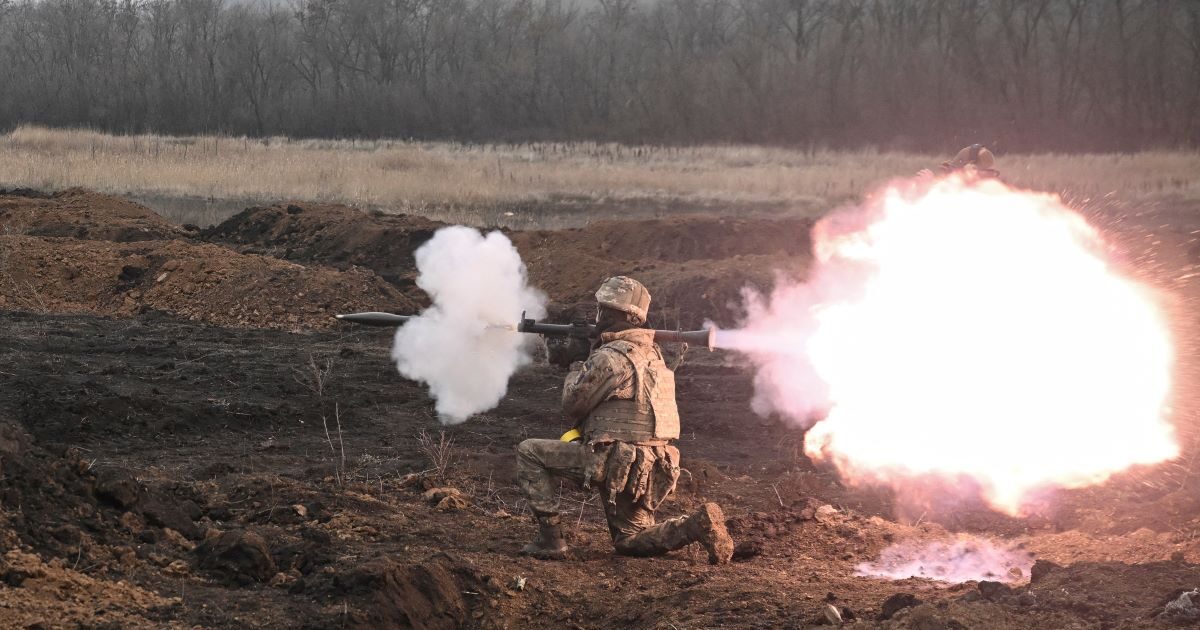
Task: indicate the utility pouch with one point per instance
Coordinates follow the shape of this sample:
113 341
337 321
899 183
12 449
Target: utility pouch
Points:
664 478
616 469
595 458
641 473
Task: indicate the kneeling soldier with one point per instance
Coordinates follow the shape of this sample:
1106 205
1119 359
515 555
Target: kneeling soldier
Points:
622 400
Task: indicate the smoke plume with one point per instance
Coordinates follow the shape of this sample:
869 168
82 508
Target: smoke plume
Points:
963 559
463 346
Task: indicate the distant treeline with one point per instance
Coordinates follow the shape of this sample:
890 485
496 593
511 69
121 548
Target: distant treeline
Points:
904 74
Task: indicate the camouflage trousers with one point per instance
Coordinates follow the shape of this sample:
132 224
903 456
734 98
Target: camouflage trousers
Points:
632 479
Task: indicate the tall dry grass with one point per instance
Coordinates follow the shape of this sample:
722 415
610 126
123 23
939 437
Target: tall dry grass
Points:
408 175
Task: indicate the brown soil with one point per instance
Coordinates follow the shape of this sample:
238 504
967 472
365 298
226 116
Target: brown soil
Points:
194 281
82 214
55 595
83 252
696 266
677 239
160 472
78 252
330 235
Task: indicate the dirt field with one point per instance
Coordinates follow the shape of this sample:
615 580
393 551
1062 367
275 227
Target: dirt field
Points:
179 451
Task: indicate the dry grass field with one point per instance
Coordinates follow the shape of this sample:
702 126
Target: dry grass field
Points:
429 177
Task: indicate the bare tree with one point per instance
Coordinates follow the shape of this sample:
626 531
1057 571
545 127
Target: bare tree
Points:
914 74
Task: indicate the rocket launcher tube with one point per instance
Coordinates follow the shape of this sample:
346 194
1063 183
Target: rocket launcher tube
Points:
375 318
703 338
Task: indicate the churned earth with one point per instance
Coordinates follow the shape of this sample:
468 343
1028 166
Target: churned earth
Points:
178 452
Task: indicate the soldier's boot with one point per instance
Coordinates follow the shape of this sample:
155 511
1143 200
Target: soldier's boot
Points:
549 544
705 526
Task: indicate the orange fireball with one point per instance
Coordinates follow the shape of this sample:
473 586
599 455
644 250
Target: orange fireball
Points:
966 330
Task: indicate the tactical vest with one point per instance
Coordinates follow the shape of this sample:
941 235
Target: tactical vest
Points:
651 416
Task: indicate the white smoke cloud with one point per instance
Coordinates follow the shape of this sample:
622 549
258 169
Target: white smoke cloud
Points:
779 327
462 346
964 559
776 336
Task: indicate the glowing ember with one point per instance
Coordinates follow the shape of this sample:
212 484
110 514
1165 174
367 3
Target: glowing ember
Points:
961 560
967 333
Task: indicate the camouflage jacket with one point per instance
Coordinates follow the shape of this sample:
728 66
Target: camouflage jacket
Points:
625 388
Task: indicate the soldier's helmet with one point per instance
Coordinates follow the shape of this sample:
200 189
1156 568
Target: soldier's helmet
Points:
624 294
976 155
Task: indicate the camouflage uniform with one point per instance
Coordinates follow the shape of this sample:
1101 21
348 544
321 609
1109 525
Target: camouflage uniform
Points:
974 163
623 399
976 156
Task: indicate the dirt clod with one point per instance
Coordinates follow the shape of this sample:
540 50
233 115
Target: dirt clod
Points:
162 511
447 499
896 603
747 549
1040 569
118 486
14 440
994 591
238 556
425 595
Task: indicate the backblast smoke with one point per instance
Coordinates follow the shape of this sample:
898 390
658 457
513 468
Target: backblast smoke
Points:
463 346
961 559
965 336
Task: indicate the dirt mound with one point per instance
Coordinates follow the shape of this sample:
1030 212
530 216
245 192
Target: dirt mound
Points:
69 507
81 214
1102 594
419 595
332 235
199 282
65 526
675 239
101 546
54 492
685 294
240 556
55 595
696 267
1113 593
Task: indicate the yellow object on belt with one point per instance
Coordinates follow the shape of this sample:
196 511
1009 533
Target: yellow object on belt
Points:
571 436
